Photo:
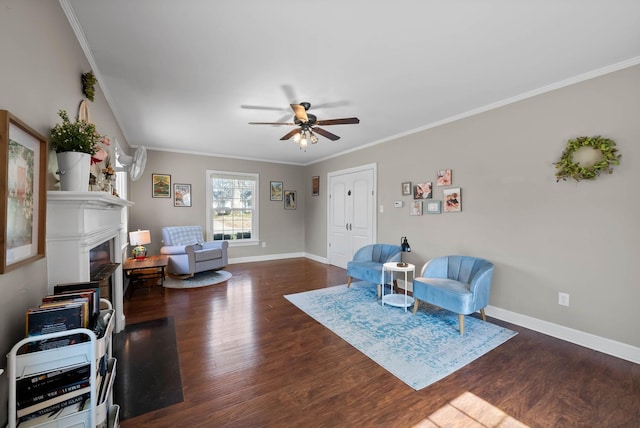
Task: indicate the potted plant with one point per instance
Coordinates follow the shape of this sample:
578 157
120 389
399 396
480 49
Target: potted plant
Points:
74 143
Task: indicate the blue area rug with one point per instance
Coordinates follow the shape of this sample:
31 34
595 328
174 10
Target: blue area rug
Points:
418 349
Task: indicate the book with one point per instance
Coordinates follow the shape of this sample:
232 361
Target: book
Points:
33 385
54 319
90 290
25 400
86 298
53 405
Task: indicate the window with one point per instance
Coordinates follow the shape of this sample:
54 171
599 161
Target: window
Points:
232 201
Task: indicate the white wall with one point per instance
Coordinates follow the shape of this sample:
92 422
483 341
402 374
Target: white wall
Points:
39 74
544 237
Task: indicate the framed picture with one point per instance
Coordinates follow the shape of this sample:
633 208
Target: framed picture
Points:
315 185
433 207
161 185
452 200
276 191
181 195
423 190
23 205
406 188
290 199
444 177
416 207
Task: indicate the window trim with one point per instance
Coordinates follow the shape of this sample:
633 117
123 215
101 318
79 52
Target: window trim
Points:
255 237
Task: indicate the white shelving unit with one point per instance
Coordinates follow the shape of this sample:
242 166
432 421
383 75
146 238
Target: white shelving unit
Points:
28 364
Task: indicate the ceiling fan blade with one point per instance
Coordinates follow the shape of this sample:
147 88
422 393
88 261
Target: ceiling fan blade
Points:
290 134
301 113
345 121
329 135
272 123
254 107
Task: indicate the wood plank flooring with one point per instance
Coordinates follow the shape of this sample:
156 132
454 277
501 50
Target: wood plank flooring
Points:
249 358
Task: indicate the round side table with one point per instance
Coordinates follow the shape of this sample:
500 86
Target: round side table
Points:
392 299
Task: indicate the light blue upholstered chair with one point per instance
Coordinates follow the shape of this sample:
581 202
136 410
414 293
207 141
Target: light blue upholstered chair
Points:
367 263
459 284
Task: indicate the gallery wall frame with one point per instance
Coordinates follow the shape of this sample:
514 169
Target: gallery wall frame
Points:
275 190
406 188
23 204
416 207
181 195
161 185
452 200
433 206
315 185
444 177
290 198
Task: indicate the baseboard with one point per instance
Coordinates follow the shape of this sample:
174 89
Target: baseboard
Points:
265 258
588 340
591 341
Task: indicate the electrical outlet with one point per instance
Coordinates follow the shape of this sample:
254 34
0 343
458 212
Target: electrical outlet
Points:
563 299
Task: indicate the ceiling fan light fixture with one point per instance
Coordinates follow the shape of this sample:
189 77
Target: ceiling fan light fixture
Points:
313 137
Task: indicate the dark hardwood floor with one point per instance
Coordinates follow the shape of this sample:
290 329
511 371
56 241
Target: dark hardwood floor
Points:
249 358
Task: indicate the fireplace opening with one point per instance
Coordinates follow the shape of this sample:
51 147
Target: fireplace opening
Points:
101 267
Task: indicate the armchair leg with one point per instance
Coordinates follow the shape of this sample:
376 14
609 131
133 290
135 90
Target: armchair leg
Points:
482 314
461 320
379 291
349 282
415 306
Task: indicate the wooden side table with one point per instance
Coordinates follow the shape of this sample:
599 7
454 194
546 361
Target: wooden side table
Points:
148 270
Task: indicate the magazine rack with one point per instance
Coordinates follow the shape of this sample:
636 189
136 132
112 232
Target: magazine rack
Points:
21 364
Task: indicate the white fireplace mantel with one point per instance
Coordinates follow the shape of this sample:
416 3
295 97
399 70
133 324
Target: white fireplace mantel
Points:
77 222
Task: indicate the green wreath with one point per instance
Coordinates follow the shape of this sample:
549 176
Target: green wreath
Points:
566 167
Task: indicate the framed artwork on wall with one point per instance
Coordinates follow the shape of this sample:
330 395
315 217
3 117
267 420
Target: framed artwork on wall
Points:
315 185
290 199
416 207
276 191
406 188
452 200
444 177
181 195
161 185
433 207
423 190
23 204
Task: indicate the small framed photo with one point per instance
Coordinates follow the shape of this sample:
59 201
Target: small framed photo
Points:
290 199
181 195
416 207
406 188
161 185
452 200
444 177
433 207
423 190
315 185
276 191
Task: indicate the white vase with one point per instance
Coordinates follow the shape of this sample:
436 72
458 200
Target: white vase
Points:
73 169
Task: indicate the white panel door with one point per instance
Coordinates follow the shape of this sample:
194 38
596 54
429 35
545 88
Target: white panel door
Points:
351 213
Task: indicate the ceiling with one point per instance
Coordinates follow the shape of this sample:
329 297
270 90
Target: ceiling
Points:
189 75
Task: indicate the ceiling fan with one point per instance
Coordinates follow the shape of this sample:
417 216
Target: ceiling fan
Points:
309 125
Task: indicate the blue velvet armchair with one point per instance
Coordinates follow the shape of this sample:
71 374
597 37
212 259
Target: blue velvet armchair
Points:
459 284
367 263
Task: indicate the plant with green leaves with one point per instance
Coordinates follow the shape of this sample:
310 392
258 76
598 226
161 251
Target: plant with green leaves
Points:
88 85
79 136
567 167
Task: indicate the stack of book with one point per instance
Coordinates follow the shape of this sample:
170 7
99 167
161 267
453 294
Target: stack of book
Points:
69 308
52 395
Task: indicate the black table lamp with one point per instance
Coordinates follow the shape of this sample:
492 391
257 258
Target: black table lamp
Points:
406 248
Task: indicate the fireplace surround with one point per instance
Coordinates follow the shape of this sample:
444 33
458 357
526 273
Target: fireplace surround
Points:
78 222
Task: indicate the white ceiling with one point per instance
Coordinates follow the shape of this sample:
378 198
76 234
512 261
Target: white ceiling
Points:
189 75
